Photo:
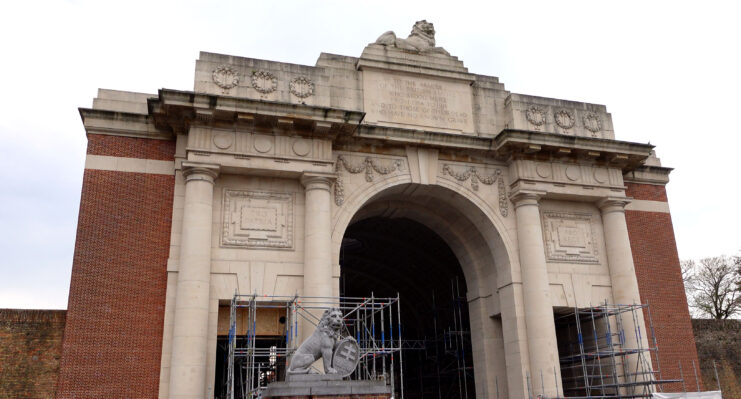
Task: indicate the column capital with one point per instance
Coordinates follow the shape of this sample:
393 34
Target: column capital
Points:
318 181
200 171
613 204
526 197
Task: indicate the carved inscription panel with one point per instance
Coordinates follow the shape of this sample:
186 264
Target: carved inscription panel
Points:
408 101
257 219
569 237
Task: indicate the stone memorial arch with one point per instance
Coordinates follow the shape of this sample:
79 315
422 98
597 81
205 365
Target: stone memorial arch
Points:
251 182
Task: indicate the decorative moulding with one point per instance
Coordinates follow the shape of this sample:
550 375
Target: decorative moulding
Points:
368 165
569 237
536 116
592 122
473 174
257 219
301 87
225 77
264 82
564 118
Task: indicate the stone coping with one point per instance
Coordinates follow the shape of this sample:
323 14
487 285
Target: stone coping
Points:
320 384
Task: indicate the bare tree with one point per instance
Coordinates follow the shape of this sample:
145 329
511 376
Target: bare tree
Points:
713 286
688 267
737 263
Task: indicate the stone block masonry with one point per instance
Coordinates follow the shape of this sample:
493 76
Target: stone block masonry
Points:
660 283
113 338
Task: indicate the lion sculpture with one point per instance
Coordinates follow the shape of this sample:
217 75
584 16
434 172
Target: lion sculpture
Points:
422 39
320 344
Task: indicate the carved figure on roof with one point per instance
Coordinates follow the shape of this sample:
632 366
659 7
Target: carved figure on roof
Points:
422 39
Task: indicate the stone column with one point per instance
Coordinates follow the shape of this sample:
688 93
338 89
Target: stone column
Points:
623 276
539 321
317 237
190 330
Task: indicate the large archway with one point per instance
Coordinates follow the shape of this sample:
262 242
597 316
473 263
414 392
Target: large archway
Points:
385 256
428 241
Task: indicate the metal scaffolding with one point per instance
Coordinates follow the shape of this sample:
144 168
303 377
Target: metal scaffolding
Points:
443 359
375 323
594 356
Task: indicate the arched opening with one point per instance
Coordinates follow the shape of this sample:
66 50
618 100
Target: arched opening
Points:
385 256
419 239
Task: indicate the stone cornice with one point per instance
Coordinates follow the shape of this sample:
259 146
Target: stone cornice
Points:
648 174
424 137
119 123
177 110
522 143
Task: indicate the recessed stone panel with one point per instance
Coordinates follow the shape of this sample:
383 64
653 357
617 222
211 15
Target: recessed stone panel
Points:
257 219
569 237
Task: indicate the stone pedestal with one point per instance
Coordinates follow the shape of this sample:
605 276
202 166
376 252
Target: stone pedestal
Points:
323 385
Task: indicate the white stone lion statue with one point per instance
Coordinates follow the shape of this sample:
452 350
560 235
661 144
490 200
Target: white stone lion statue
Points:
422 39
319 345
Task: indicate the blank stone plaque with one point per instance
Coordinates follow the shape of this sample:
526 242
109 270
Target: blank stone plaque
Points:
569 238
257 219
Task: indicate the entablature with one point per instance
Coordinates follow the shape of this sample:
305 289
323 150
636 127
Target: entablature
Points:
119 123
519 144
179 110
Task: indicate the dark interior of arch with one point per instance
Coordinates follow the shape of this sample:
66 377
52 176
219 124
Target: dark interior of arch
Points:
384 256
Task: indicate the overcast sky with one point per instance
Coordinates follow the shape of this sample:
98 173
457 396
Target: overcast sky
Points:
669 72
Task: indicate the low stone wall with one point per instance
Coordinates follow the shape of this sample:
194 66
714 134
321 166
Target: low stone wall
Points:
30 348
718 340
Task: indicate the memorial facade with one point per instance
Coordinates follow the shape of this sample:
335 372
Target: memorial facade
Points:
267 177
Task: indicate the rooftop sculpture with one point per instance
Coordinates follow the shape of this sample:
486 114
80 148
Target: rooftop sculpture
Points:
422 39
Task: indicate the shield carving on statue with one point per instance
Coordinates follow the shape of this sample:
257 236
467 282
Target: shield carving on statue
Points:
346 356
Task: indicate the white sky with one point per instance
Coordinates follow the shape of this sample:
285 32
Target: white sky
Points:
669 72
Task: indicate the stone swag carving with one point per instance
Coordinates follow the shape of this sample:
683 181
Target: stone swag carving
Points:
472 173
422 39
369 165
339 355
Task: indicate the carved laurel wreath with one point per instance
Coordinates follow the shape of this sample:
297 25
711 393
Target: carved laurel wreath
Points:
368 165
301 87
535 115
225 77
592 122
564 118
264 81
472 173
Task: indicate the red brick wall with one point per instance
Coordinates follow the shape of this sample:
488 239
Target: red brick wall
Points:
30 347
113 338
660 284
130 147
648 192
